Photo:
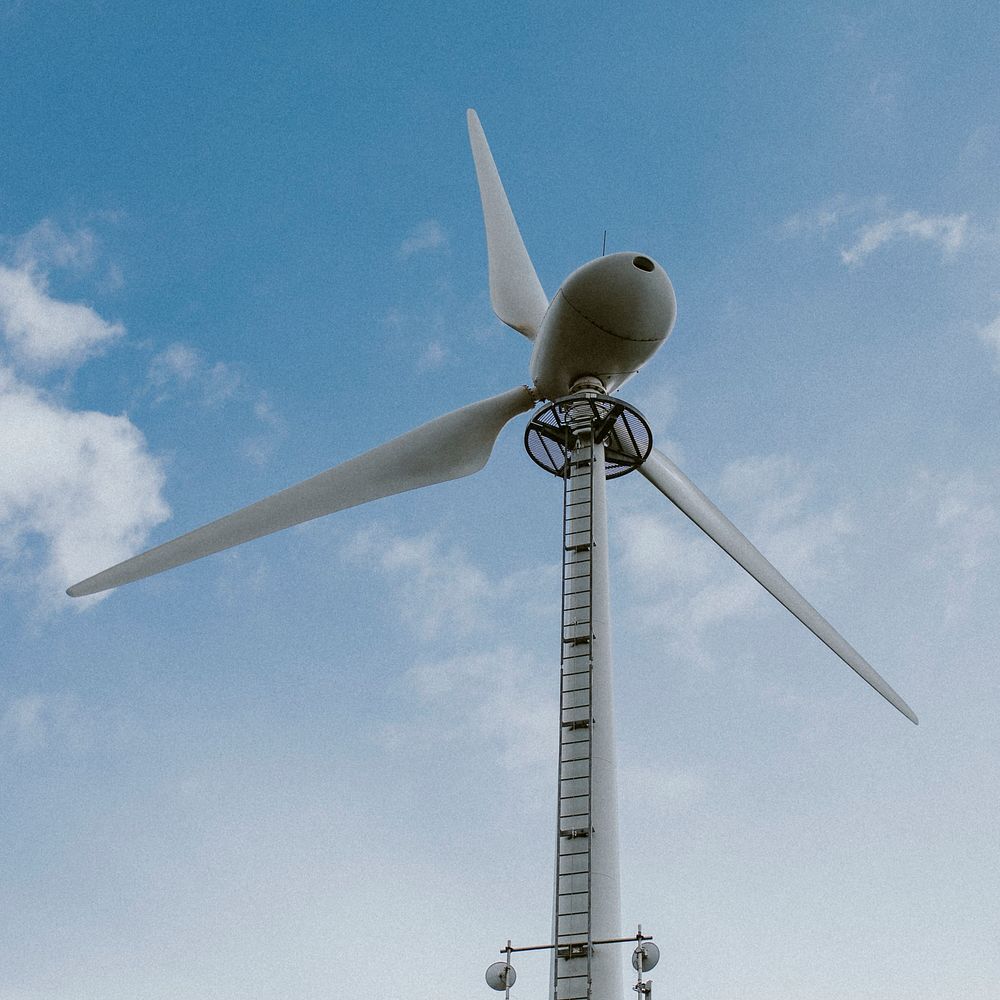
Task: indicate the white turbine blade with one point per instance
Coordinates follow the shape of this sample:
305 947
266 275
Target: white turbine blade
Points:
516 293
450 447
680 491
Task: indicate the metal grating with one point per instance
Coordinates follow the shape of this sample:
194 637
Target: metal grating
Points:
620 426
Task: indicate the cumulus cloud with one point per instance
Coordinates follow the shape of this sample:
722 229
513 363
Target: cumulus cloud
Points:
43 333
429 235
79 489
81 482
947 231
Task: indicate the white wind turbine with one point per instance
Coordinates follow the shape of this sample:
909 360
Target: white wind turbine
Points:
606 320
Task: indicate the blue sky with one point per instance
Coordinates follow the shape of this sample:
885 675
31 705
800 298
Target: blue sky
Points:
241 244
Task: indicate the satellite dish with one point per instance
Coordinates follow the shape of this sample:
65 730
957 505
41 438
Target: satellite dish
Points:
500 976
650 956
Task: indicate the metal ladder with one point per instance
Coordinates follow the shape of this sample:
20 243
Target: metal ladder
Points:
571 979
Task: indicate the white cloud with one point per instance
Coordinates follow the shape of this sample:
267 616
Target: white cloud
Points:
48 245
434 356
79 490
439 589
44 333
658 401
429 235
831 214
499 700
489 695
948 231
258 448
81 482
34 722
181 367
967 517
965 512
182 372
884 89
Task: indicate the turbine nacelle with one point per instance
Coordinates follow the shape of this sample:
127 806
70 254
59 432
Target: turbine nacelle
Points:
608 318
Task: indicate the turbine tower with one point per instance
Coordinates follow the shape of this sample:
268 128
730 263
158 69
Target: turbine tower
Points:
608 318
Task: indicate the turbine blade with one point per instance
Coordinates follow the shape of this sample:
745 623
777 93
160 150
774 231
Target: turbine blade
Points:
680 491
515 291
450 447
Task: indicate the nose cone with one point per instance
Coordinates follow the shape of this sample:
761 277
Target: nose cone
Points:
625 294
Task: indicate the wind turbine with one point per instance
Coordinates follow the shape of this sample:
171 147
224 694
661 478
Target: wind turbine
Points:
608 318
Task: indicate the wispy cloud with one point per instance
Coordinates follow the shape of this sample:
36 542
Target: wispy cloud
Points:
47 245
434 356
183 372
679 578
438 589
428 235
965 511
34 723
499 700
990 336
489 694
884 89
260 447
181 368
835 212
947 231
